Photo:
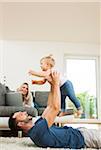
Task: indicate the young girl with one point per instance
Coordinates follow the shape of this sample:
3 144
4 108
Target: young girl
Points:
66 87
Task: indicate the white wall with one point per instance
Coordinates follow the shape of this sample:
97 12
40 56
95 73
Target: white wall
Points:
20 56
1 41
100 69
1 60
100 88
1 22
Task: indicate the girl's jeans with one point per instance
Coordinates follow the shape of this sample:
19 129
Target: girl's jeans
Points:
68 90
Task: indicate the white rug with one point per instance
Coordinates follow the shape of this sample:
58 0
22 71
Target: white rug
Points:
22 144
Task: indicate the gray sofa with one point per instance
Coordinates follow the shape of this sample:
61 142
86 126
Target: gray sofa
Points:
40 101
9 106
9 103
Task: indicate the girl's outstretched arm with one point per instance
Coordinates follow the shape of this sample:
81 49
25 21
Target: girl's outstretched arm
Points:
39 74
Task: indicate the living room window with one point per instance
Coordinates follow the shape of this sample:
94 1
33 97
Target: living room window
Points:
82 71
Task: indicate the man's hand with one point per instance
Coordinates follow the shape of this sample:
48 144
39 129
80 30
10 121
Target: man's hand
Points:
54 78
20 90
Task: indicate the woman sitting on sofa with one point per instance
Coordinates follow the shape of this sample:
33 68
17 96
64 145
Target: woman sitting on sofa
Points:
26 94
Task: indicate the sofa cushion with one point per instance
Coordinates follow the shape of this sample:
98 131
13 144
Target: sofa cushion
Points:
14 99
6 111
2 94
41 98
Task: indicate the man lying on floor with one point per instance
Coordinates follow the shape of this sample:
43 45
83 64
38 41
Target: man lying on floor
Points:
44 134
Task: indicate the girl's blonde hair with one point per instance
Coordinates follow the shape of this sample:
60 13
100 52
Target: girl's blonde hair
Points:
50 60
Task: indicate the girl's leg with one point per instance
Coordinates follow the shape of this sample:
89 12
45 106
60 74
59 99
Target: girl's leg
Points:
63 103
64 111
69 89
63 106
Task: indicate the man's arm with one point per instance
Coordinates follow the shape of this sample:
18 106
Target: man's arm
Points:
53 107
39 74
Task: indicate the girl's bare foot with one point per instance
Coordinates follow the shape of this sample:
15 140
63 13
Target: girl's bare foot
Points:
78 113
62 114
67 112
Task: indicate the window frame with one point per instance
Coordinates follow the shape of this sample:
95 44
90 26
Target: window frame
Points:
97 67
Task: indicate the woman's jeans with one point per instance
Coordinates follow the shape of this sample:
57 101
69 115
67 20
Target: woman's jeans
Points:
68 90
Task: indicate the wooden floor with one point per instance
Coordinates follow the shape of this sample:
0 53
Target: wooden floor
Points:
8 133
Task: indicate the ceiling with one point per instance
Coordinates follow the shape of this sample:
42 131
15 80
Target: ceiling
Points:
50 1
51 21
